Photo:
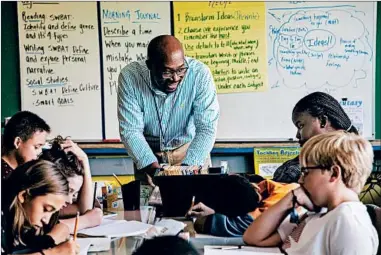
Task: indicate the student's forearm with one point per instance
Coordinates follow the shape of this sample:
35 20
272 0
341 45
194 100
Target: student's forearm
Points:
69 211
86 197
83 222
262 231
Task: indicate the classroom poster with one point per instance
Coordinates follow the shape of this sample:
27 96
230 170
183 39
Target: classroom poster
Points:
229 37
268 159
59 66
355 111
127 28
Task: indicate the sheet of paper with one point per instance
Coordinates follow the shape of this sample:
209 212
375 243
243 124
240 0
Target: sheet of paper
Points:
84 245
170 226
117 228
107 214
227 250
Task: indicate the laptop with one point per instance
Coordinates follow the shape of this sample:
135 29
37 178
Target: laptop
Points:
177 192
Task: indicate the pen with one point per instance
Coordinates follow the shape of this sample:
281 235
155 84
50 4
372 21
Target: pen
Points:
95 193
228 248
76 226
117 179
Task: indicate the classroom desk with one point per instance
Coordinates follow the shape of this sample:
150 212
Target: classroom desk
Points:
127 245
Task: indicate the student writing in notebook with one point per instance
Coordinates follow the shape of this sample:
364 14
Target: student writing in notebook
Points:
75 166
335 167
314 114
24 135
32 193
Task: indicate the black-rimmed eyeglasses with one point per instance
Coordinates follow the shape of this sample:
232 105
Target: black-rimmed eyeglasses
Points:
179 72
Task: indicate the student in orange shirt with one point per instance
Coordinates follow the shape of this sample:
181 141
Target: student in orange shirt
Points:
239 202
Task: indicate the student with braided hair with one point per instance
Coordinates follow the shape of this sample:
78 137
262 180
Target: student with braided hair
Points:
314 114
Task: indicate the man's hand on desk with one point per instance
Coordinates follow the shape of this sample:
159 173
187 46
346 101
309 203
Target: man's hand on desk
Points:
200 210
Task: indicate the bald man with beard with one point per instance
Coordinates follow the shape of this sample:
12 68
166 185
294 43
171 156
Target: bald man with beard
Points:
167 108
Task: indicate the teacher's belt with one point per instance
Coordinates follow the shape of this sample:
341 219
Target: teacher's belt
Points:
173 157
176 157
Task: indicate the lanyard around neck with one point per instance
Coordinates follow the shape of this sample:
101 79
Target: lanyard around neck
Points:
160 118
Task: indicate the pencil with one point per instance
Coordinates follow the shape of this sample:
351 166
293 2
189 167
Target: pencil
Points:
192 204
117 179
76 226
95 194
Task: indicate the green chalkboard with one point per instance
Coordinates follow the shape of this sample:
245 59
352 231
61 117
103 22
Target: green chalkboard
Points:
10 71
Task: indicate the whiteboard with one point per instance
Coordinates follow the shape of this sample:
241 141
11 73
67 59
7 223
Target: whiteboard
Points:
127 28
60 66
311 46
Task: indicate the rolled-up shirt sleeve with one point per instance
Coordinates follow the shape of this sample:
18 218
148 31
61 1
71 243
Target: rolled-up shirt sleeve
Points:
206 114
222 225
131 124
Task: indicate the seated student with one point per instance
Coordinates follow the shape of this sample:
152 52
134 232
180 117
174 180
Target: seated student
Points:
335 166
166 245
314 114
24 135
30 196
75 167
239 202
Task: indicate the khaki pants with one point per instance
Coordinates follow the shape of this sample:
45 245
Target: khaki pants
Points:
172 158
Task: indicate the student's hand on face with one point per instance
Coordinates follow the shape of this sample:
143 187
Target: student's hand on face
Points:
60 233
69 145
67 248
95 217
200 210
303 199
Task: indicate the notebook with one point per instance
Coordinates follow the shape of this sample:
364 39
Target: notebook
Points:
116 228
231 250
